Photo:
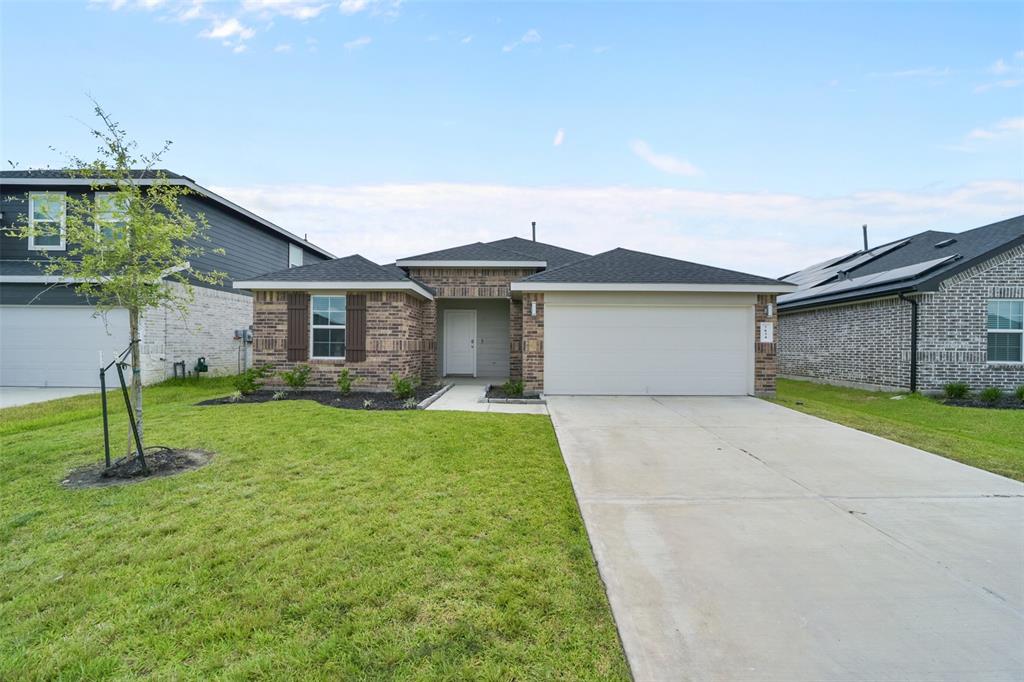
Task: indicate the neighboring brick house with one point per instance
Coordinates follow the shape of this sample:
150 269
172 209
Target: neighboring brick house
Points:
914 314
621 322
49 335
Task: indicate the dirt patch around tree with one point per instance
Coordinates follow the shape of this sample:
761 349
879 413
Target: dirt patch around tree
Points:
356 400
161 461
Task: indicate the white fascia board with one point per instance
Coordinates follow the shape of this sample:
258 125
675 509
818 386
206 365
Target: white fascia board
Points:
590 286
58 279
260 285
471 263
198 189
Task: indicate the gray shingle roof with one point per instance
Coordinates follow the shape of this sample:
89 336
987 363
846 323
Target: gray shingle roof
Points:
473 252
555 256
348 269
60 174
622 266
898 258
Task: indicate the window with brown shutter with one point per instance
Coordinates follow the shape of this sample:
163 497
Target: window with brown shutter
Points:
355 322
298 326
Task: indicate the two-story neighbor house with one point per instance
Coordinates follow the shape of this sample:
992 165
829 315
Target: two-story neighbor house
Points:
49 335
620 322
914 314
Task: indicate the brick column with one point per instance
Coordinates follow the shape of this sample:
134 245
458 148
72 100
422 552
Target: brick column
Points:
515 340
428 328
765 354
533 343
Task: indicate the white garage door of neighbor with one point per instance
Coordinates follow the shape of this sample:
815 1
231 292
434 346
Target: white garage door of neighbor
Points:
57 345
648 350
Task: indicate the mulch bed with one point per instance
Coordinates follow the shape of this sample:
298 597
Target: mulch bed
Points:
160 461
1007 402
356 400
499 393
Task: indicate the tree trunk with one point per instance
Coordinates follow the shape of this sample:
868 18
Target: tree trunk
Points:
136 390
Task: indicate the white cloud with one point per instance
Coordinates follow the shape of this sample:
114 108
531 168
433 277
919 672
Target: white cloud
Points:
1000 66
1005 83
531 36
663 162
1006 128
466 40
559 137
925 72
1019 54
283 47
387 8
228 29
763 233
296 9
353 6
601 49
238 49
358 43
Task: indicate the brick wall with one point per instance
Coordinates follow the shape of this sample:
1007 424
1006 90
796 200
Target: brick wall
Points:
869 343
428 336
470 282
533 342
394 339
863 344
515 340
765 354
952 326
206 328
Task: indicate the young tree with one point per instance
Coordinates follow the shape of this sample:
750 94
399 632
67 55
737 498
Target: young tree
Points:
128 244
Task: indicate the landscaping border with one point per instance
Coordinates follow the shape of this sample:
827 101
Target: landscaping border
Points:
429 400
541 400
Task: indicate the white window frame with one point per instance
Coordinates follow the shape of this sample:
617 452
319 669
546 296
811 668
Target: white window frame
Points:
294 249
96 198
32 246
1019 332
313 326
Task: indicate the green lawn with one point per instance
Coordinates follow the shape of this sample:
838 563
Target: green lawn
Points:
319 544
985 438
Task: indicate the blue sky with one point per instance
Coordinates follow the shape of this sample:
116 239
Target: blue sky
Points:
753 136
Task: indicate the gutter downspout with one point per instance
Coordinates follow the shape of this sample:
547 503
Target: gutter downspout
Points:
913 341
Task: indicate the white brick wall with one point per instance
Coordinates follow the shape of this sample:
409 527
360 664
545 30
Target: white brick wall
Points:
207 329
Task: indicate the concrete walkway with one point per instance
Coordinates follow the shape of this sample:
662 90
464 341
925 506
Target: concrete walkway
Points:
740 540
465 396
10 396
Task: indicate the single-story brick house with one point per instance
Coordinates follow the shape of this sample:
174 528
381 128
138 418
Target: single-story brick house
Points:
913 314
621 322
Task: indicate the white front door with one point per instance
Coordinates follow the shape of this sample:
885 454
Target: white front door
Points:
460 342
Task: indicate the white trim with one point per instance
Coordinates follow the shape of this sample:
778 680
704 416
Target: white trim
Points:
471 263
334 286
184 182
612 286
444 355
292 248
313 326
32 246
57 279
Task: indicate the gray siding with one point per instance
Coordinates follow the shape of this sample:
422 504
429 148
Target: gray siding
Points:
492 341
39 294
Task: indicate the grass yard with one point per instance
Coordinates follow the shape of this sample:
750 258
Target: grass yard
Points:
319 544
985 438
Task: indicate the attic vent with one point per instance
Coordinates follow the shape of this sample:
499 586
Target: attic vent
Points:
944 242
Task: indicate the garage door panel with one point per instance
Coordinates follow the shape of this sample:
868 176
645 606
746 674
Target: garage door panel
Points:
639 350
57 345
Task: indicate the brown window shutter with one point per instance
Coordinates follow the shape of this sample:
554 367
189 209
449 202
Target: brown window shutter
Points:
355 328
298 326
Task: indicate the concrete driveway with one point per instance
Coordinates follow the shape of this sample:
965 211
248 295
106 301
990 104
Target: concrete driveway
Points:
11 396
740 540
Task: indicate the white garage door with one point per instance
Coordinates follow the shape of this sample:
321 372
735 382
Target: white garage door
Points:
57 345
648 350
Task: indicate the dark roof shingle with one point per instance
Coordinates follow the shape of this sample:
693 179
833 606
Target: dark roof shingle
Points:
554 256
348 269
62 174
622 266
477 251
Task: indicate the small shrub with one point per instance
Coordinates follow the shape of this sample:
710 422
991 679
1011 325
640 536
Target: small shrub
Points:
404 388
411 403
346 381
278 395
1020 393
250 380
235 397
991 395
368 404
956 390
297 377
513 389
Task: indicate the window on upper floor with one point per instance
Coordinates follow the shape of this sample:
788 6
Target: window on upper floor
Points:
1006 330
294 256
328 327
111 214
46 215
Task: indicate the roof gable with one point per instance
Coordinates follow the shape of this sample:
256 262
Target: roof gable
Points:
476 253
555 256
